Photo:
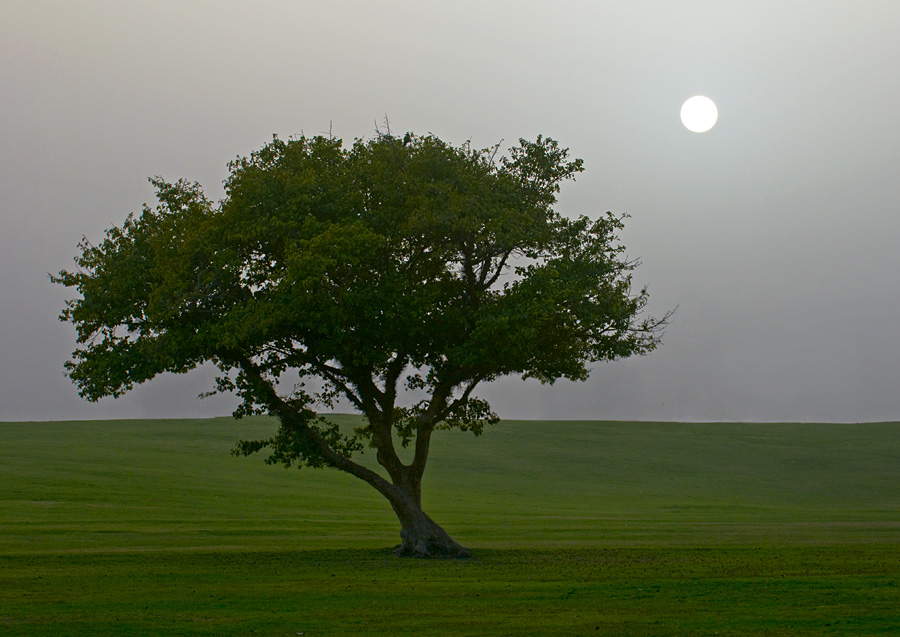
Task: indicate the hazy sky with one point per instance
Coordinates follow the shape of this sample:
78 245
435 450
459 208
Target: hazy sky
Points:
774 233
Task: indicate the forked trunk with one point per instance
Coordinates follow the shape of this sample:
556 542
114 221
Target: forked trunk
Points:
421 536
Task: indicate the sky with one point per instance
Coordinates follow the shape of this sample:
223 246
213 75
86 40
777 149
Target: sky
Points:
773 234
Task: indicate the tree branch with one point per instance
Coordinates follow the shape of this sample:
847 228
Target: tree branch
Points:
485 283
391 375
332 374
425 428
467 392
380 421
290 416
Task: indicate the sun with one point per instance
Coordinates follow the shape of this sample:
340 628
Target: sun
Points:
699 114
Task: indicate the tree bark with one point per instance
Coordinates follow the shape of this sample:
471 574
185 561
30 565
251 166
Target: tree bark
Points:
421 536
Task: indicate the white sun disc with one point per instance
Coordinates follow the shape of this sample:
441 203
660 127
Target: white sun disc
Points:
699 114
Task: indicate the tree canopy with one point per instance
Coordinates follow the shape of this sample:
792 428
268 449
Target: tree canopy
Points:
395 274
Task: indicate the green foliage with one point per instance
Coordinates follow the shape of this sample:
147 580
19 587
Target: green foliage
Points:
399 274
291 445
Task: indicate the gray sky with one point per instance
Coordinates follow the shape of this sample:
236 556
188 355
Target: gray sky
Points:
775 232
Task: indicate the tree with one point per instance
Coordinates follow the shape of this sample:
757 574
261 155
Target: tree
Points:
397 274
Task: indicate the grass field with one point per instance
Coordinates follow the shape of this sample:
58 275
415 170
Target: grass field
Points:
151 527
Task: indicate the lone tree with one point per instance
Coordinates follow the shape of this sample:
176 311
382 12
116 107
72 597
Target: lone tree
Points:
396 274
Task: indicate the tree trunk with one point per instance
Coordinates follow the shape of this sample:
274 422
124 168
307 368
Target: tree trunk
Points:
421 536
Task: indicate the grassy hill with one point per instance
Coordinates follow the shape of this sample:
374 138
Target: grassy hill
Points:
151 527
172 483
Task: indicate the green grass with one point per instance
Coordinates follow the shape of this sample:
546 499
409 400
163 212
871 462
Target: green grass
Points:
151 527
737 591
